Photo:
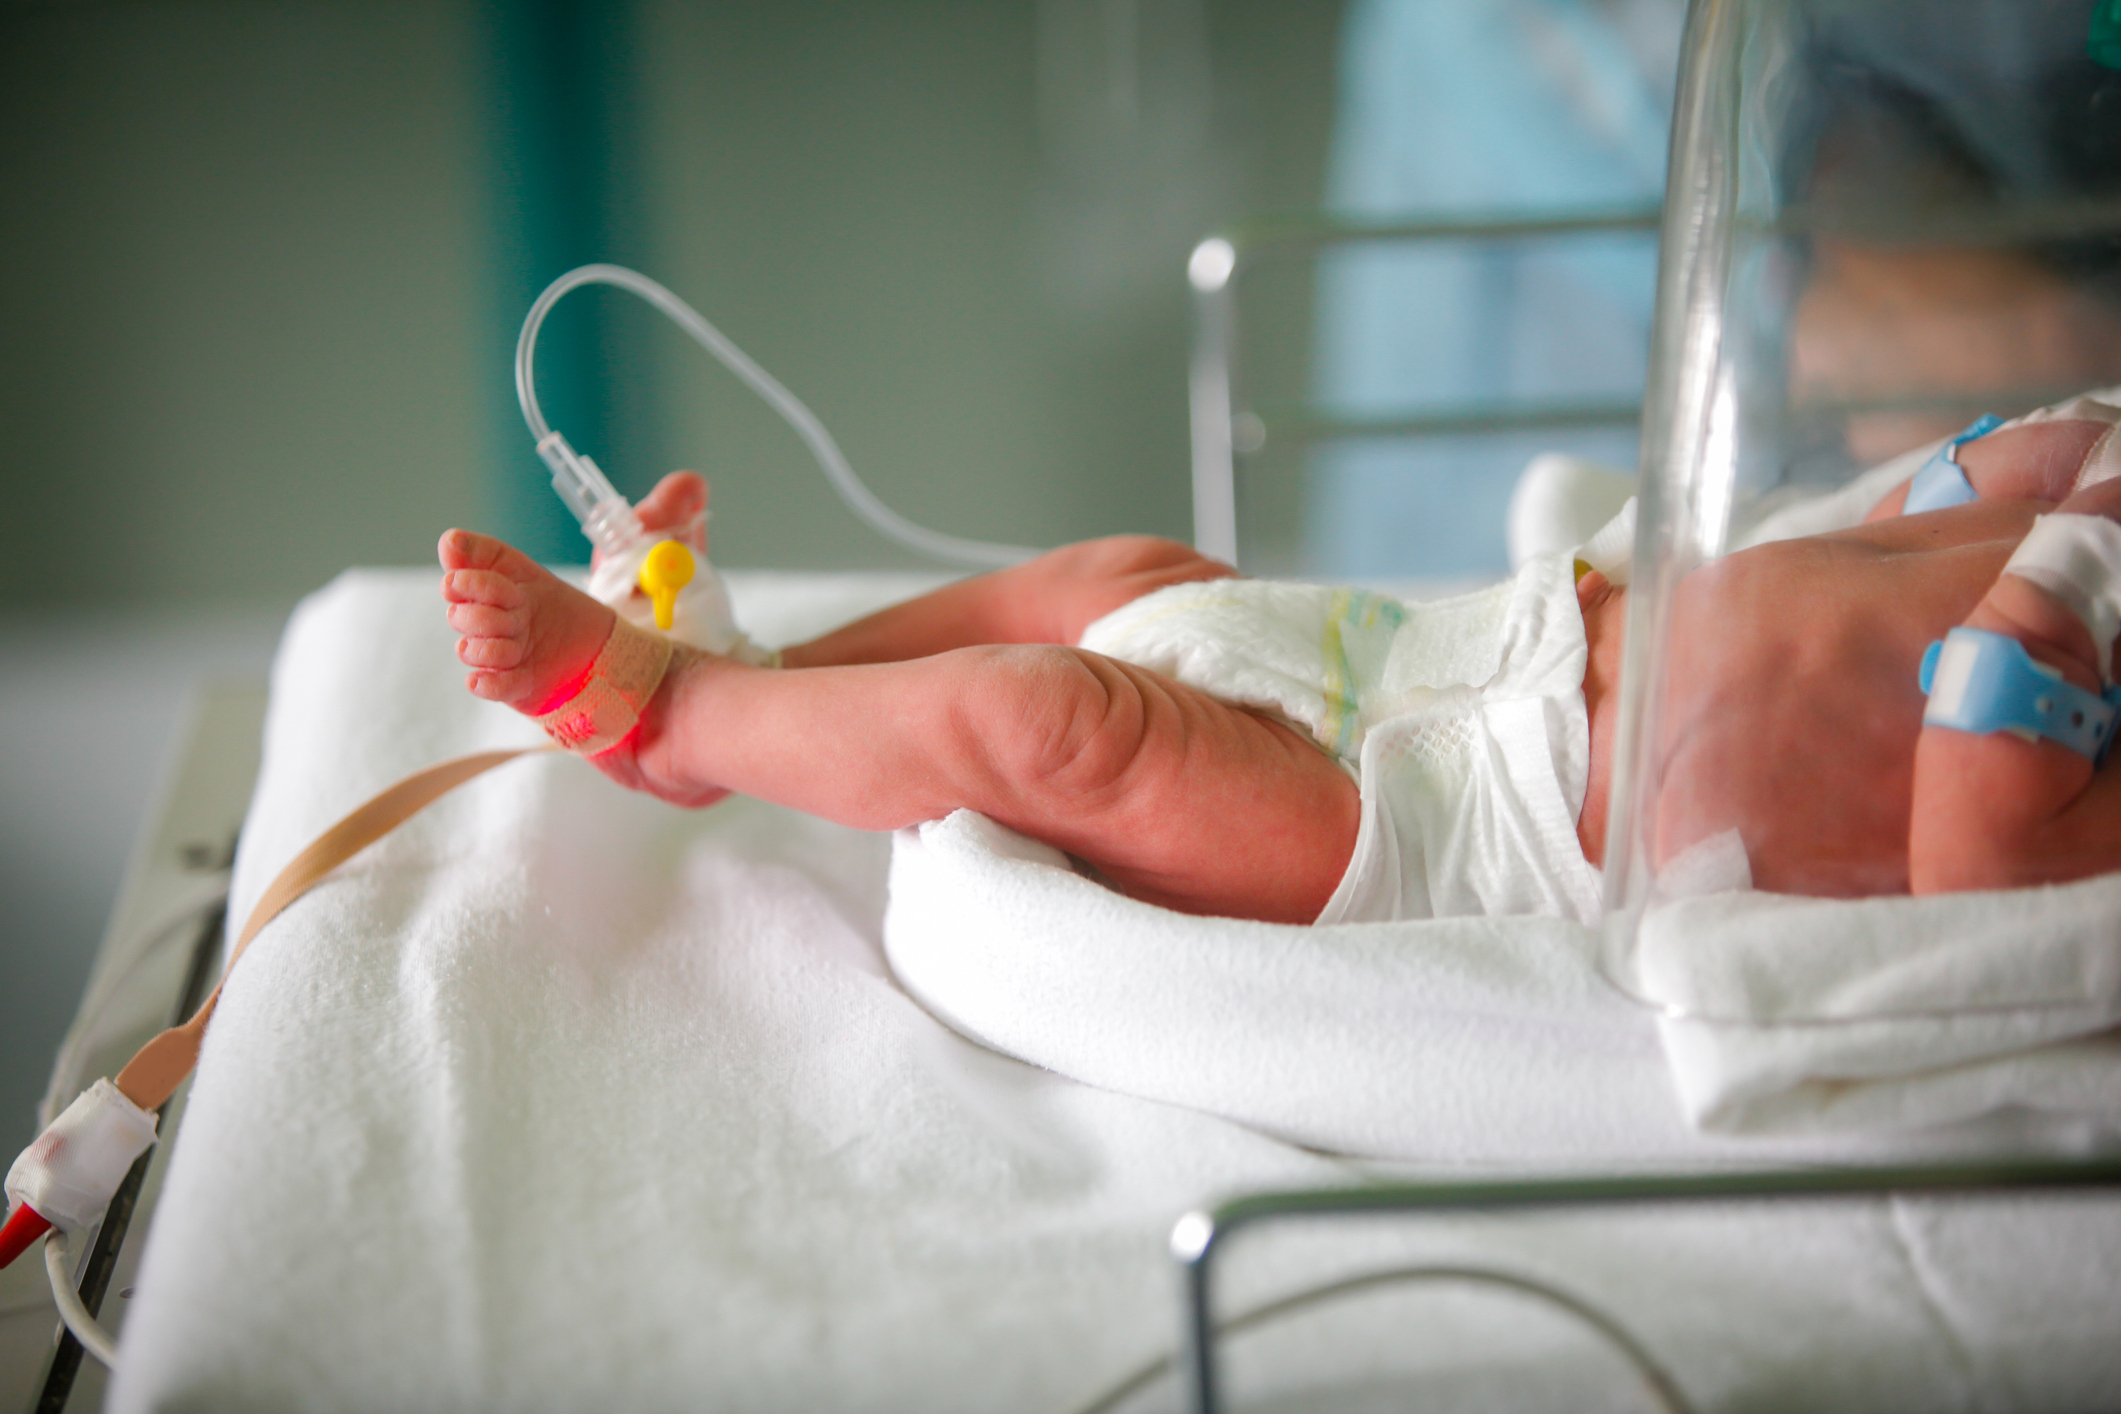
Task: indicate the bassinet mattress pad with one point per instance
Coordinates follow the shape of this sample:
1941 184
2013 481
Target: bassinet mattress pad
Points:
559 1098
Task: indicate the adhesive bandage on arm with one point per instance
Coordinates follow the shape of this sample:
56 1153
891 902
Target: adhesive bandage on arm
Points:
2078 560
69 1174
626 673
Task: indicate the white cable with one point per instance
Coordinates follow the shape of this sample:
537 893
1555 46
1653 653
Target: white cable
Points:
94 1339
858 497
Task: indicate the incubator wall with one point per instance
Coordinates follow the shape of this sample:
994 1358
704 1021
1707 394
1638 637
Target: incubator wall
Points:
1477 291
1885 219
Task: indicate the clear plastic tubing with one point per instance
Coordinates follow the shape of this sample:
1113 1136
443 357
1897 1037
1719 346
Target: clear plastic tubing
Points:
606 517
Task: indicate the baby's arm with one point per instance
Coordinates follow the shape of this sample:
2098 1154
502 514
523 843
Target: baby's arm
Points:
2036 461
1993 810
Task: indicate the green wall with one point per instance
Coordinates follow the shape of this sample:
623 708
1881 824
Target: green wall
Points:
238 245
256 312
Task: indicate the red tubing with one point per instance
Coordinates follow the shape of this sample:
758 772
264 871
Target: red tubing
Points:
24 1226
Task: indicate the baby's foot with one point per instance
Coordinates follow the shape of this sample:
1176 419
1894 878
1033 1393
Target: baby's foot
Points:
528 638
677 507
675 510
530 641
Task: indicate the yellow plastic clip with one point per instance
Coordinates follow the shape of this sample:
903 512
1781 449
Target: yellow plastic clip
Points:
667 569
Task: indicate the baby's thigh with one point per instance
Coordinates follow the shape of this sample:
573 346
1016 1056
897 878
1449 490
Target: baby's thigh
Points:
1185 800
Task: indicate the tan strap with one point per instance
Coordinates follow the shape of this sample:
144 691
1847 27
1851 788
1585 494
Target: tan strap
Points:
160 1066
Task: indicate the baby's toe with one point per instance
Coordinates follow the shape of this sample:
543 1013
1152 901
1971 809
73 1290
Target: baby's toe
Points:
461 550
471 586
475 619
490 653
505 687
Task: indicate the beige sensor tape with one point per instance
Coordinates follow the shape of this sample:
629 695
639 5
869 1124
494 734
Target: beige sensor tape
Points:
626 673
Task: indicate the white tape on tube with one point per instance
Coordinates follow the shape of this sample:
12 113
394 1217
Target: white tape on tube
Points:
71 1170
2078 560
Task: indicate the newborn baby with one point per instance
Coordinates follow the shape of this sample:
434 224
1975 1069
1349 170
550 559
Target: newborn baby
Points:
1300 754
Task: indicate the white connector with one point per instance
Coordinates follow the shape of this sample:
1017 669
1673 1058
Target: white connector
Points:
606 517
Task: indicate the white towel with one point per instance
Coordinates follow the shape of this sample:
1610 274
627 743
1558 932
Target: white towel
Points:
1495 1039
1789 1013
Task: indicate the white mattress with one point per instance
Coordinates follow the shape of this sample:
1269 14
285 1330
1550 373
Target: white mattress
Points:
561 1099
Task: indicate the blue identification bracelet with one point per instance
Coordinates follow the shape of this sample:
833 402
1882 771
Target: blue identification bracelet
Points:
1979 681
1941 482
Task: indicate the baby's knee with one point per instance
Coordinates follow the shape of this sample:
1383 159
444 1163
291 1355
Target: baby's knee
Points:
1081 583
1049 723
1133 559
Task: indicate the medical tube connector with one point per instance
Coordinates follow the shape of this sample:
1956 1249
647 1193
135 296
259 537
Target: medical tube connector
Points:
607 518
667 570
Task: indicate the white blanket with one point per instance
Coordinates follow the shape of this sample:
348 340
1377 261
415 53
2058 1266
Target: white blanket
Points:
562 1099
1832 1028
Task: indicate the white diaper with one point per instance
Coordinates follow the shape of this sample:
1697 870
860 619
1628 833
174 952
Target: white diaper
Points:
1462 719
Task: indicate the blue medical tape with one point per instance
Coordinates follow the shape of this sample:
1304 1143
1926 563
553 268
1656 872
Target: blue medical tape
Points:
1979 681
1941 482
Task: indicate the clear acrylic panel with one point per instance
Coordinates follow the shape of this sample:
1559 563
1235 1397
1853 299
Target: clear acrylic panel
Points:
1886 218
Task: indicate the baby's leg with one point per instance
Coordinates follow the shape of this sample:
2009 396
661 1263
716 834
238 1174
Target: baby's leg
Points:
1049 599
1176 797
1992 810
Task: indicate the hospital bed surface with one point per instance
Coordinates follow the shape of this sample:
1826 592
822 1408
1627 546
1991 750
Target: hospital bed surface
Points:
561 1098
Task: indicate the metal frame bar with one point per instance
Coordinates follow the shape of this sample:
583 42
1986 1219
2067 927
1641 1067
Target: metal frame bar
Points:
1217 409
102 1259
1225 427
1199 1237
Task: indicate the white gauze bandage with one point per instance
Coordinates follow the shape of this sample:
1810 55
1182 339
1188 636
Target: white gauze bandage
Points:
626 673
701 617
70 1172
2078 560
